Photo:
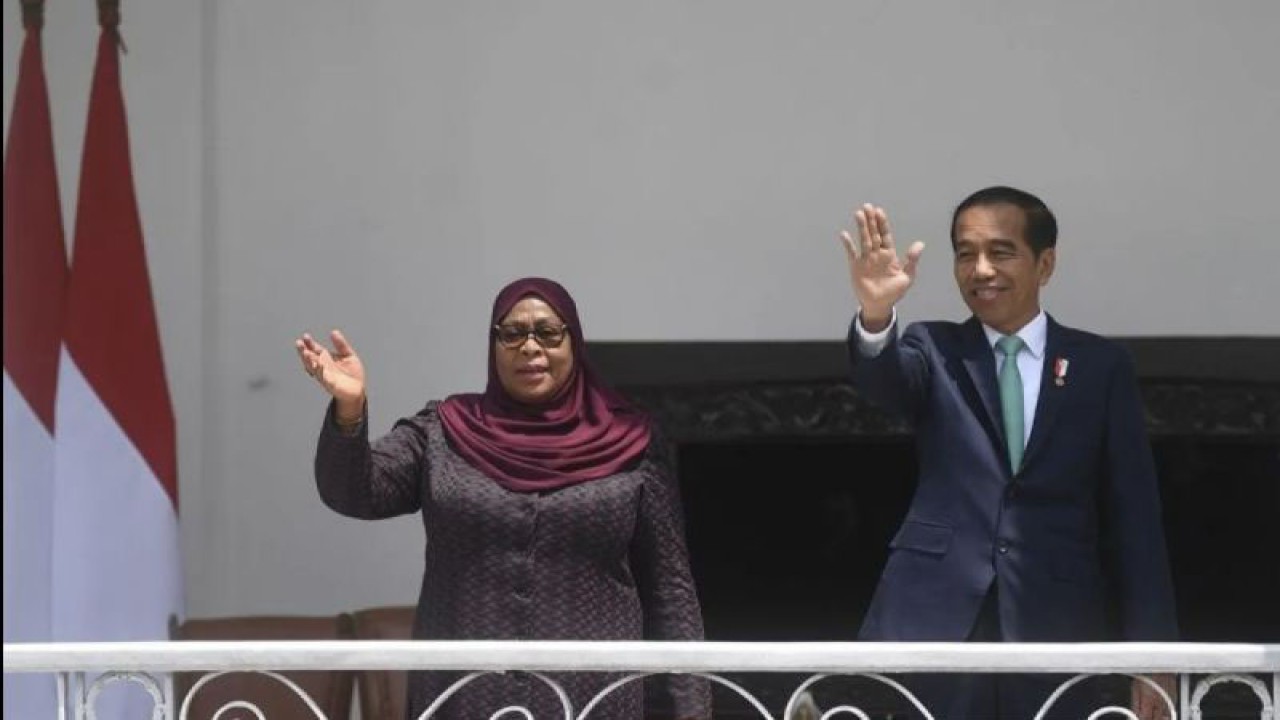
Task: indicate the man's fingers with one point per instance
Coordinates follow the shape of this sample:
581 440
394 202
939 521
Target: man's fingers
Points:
865 243
882 226
913 258
875 233
850 245
873 225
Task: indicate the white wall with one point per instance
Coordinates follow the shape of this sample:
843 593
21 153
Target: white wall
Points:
162 77
682 166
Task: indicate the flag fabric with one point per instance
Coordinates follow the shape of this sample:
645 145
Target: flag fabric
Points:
117 568
35 272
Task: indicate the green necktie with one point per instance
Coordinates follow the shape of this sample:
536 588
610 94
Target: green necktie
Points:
1011 398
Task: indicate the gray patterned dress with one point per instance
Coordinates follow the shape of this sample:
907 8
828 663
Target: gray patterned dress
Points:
601 560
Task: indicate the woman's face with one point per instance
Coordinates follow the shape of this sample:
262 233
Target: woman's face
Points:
532 352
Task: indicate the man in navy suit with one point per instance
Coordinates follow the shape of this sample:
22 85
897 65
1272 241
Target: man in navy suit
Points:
1037 513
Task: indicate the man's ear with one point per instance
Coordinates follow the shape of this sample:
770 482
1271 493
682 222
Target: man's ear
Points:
1045 264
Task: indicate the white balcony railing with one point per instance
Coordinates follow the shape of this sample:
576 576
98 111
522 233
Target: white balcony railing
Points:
84 669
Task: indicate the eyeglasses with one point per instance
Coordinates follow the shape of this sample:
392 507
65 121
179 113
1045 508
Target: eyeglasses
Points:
514 336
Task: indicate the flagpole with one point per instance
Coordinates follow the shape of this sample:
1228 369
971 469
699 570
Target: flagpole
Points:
32 14
109 21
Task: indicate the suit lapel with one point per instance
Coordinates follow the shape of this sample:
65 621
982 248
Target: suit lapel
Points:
1051 393
980 362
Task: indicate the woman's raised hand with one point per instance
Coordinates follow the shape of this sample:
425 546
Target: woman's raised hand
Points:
879 279
339 371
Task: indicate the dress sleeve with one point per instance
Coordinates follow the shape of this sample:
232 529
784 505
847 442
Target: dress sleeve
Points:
373 480
660 564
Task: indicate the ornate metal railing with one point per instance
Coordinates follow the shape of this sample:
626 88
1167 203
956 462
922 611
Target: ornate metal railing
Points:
83 670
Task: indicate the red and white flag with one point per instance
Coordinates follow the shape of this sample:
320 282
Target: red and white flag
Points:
35 273
117 570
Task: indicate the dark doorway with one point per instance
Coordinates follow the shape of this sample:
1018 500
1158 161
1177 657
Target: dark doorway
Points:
787 540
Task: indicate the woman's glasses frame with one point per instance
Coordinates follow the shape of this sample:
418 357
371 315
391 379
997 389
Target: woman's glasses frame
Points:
548 336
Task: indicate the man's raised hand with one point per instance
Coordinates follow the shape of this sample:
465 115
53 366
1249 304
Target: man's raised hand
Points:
879 279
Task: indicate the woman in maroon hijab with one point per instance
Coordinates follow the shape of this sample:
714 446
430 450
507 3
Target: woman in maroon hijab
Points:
551 511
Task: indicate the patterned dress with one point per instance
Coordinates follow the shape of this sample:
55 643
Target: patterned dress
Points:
601 560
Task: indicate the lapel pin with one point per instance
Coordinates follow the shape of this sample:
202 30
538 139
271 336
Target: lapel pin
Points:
1060 371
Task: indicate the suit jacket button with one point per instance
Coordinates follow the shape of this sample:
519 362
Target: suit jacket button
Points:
1003 547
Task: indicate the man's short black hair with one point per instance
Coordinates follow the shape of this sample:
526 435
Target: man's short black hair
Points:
1041 227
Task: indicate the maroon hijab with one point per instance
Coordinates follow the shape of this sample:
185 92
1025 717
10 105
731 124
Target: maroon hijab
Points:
586 432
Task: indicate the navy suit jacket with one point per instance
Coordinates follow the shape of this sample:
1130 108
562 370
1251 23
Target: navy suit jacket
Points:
1073 541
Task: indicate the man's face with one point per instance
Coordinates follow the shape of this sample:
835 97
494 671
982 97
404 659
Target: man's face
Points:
997 273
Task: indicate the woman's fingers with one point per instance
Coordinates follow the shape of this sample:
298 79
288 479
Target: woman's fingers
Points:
313 355
302 355
305 354
340 344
